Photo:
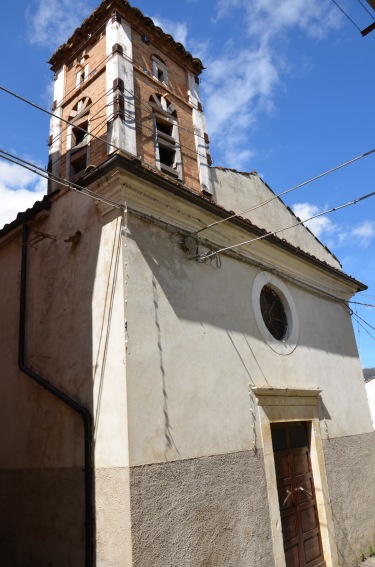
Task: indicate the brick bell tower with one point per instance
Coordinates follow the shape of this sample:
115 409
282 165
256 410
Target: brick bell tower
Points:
124 86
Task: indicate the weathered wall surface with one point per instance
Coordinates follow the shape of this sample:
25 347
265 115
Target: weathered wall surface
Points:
350 463
42 517
207 512
75 340
113 520
370 391
194 348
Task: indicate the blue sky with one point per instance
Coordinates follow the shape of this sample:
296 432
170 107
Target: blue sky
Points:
288 91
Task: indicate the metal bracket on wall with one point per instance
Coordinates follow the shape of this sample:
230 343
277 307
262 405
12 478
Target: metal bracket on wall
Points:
38 237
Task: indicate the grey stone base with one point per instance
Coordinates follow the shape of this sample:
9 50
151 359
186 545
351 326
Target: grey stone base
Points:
42 518
206 512
350 465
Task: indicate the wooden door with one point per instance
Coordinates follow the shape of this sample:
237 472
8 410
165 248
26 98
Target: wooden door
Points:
295 486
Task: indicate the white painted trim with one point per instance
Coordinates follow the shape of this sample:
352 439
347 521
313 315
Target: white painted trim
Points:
121 133
199 122
289 343
55 149
295 405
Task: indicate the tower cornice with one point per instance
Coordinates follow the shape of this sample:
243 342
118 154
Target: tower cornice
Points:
95 23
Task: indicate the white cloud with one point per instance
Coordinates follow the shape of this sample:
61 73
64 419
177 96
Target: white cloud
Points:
242 83
364 233
266 19
321 226
19 189
178 30
53 22
237 86
333 234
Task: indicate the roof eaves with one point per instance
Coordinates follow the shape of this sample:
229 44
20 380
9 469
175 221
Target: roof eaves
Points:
136 167
99 13
255 173
38 206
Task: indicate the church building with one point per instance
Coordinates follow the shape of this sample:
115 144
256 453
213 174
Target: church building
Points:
180 383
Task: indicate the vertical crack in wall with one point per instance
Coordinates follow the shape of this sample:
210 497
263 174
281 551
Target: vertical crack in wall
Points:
169 441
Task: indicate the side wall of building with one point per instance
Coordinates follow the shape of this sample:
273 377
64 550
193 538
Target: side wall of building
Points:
75 341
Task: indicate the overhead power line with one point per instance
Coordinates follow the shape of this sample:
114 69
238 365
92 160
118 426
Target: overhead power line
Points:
59 180
363 304
274 232
367 10
364 321
356 317
254 207
347 15
57 117
70 123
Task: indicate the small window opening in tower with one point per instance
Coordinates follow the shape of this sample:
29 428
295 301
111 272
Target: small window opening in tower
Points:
167 147
80 135
79 151
159 70
78 139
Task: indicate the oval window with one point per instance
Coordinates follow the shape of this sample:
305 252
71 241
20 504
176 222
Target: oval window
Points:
275 313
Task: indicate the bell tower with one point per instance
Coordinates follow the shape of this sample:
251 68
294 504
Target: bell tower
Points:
123 86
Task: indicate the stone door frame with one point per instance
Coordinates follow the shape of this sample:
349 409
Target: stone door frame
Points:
285 405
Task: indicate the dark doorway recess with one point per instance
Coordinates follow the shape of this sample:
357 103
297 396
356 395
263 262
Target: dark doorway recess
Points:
297 501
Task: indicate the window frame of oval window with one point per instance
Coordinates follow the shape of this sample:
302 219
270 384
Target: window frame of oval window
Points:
288 344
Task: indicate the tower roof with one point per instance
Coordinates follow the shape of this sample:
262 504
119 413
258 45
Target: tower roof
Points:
93 24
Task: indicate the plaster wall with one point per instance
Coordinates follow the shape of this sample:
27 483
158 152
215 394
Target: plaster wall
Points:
75 340
350 465
240 191
370 391
194 348
207 512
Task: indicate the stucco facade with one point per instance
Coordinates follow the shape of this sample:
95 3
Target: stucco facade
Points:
370 391
139 387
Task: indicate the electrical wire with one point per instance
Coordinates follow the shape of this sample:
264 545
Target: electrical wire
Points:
271 233
129 117
136 97
83 84
347 15
364 304
69 123
63 130
61 181
366 322
358 332
367 10
254 207
148 107
363 327
55 116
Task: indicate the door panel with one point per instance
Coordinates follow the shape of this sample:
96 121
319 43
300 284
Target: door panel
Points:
295 486
292 557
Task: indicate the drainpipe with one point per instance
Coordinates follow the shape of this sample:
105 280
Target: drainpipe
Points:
75 406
